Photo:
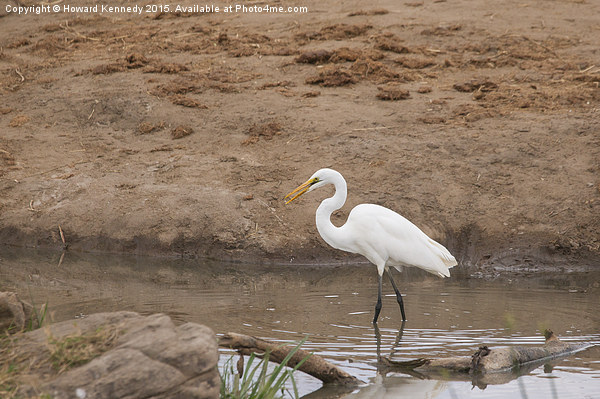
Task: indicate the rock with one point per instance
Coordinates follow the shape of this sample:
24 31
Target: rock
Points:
15 315
151 358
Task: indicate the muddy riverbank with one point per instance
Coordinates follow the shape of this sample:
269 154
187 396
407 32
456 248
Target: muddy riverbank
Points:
177 134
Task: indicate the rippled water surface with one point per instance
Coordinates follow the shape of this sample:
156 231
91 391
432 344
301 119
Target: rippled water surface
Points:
333 307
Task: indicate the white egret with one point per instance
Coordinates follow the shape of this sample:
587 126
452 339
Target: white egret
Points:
381 235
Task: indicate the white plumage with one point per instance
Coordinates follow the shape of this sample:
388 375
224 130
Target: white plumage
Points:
383 236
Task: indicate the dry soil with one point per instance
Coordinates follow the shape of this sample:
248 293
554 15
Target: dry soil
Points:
178 133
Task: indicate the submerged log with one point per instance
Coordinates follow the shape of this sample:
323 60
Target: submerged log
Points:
313 365
486 360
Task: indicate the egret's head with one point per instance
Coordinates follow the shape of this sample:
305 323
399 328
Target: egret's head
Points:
320 178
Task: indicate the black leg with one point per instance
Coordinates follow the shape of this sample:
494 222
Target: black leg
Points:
378 339
398 342
378 305
398 295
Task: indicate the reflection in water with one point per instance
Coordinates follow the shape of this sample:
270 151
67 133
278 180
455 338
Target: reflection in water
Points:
333 305
397 386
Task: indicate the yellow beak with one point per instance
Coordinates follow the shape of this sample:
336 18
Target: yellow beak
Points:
301 189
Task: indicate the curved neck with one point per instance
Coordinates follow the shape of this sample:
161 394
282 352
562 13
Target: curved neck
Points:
326 229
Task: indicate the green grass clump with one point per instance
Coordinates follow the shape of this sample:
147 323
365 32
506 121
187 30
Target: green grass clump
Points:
257 382
38 317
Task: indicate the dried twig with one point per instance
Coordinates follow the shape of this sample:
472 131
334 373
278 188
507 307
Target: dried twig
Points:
67 28
62 257
62 236
588 69
273 211
540 45
31 208
554 213
58 167
20 75
375 128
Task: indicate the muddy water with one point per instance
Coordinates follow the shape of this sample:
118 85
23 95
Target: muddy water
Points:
333 307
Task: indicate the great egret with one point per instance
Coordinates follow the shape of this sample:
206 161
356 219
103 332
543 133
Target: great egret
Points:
379 234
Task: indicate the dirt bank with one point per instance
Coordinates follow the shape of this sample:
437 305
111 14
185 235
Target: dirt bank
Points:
178 133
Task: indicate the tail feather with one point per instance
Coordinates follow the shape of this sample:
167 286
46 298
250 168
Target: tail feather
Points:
445 256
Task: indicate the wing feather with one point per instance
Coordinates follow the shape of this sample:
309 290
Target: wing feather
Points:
380 233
